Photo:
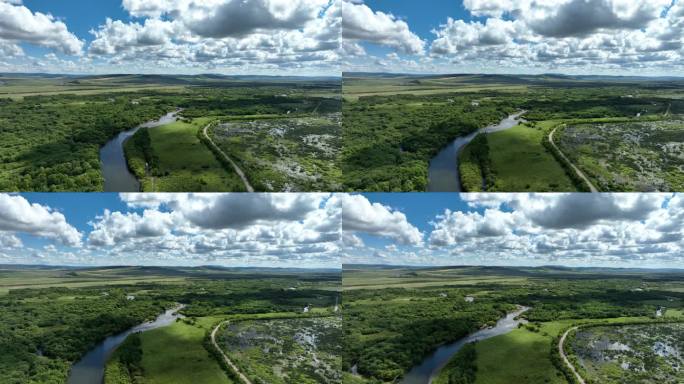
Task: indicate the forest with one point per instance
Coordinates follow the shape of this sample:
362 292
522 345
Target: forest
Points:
392 327
395 124
44 330
50 141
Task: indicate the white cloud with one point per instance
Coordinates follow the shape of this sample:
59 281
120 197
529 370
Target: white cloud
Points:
637 230
18 24
360 23
17 215
253 35
641 37
360 215
246 229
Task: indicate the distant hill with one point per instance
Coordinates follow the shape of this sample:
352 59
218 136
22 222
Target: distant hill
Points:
545 271
543 76
171 79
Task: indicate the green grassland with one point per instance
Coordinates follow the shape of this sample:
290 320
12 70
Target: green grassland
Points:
628 353
46 327
395 124
520 163
175 355
197 169
288 350
290 153
389 324
52 128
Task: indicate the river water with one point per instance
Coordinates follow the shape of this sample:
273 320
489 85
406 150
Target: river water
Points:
117 176
443 171
90 369
429 369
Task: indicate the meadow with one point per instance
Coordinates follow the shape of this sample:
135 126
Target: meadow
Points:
392 327
52 127
161 169
395 124
51 320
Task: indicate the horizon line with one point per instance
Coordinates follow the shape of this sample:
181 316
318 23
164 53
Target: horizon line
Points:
511 266
505 74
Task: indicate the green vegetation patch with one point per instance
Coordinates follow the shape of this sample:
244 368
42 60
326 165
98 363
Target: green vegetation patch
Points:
628 156
52 143
286 351
520 163
461 368
285 154
389 141
178 161
648 353
521 356
176 355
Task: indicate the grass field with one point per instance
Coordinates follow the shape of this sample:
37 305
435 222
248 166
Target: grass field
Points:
19 88
175 355
186 163
500 359
521 163
11 279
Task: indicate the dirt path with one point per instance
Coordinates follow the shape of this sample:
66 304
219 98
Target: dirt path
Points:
237 169
565 358
668 110
232 366
579 173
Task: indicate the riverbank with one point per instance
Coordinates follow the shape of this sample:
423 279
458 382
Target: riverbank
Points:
90 369
444 169
429 369
115 170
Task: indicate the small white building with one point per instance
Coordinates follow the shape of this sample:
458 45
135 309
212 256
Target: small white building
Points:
475 103
443 295
306 309
469 299
130 297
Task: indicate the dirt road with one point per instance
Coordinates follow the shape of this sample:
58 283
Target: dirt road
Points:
565 358
239 171
232 366
579 173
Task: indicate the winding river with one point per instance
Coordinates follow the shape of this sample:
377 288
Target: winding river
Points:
117 176
429 369
443 173
90 369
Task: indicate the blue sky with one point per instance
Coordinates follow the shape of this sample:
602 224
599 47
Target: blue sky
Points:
80 16
609 37
177 37
271 230
582 230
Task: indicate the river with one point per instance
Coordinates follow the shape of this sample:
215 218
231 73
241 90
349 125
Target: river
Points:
117 176
443 173
429 369
90 369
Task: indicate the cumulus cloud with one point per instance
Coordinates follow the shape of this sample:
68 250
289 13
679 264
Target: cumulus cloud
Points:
18 24
360 23
252 34
589 36
360 215
17 215
228 228
642 230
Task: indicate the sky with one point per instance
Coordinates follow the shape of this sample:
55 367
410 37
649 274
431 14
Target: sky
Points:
269 37
574 230
234 230
588 37
323 230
